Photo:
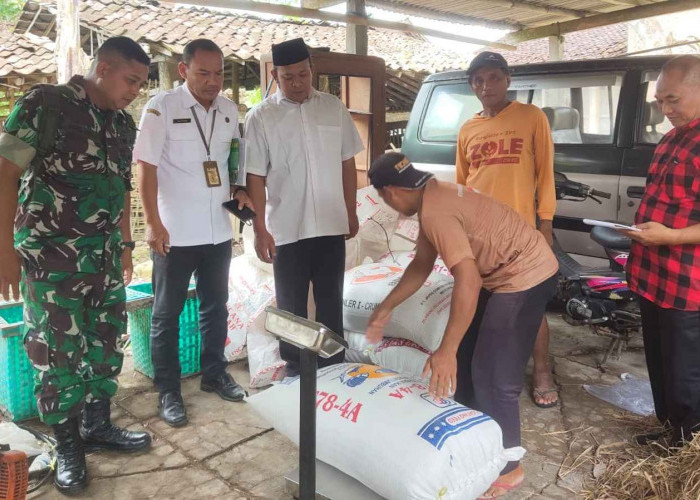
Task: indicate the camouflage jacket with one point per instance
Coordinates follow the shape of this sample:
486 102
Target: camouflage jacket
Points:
71 198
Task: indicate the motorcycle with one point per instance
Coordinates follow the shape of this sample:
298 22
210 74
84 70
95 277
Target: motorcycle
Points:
597 297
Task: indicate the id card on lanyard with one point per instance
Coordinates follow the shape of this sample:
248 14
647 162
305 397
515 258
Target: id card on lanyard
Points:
211 168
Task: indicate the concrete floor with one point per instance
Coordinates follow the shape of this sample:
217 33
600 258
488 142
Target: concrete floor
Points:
227 452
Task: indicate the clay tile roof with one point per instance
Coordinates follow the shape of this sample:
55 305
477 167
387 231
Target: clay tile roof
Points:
25 55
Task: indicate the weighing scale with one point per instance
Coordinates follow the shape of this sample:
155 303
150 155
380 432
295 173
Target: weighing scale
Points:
313 479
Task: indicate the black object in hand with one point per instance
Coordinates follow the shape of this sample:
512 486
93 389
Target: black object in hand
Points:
244 215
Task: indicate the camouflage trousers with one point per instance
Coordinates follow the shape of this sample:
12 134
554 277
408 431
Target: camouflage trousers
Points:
73 323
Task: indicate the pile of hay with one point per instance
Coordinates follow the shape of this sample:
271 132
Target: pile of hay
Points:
625 471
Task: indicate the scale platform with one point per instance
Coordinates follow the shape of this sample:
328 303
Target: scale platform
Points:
331 484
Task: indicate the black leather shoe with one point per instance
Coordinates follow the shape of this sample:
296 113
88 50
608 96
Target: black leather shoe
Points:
224 386
99 433
71 471
172 409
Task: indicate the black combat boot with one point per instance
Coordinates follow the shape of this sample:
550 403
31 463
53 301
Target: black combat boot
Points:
71 471
99 433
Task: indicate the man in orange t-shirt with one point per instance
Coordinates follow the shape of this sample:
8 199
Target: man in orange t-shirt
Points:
506 152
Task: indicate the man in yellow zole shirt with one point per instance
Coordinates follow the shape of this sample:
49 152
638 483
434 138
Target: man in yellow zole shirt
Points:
506 152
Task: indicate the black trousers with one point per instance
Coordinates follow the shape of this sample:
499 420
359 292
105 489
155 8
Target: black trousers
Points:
171 276
492 357
672 348
320 261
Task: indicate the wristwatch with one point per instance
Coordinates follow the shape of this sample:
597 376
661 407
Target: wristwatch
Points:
129 244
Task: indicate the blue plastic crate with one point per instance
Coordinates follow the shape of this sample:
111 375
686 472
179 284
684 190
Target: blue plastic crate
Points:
17 400
190 343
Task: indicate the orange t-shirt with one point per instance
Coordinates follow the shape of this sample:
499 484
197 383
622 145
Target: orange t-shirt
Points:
510 157
462 223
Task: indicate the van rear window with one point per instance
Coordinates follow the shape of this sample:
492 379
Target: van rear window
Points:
449 107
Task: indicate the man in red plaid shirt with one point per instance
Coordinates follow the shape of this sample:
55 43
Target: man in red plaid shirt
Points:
664 263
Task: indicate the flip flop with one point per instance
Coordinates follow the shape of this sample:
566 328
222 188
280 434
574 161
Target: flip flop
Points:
505 487
542 394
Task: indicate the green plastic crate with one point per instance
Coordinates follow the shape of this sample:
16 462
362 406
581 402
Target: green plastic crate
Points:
190 338
17 401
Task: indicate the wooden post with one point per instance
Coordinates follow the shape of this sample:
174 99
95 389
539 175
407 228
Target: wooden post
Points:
164 80
356 35
236 82
556 48
68 51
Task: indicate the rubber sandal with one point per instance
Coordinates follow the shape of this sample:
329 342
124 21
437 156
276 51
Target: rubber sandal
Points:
505 487
542 394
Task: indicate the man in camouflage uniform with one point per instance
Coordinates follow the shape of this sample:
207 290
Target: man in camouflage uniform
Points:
70 147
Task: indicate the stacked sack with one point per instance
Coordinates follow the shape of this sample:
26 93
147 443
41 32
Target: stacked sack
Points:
416 326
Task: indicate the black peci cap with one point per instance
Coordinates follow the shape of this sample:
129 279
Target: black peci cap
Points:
290 52
395 169
487 60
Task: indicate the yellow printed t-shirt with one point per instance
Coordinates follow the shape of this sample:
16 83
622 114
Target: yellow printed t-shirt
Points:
510 157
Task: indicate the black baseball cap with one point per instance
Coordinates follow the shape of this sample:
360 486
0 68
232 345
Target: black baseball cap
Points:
395 169
487 59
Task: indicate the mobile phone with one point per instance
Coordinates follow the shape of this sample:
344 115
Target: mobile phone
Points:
245 215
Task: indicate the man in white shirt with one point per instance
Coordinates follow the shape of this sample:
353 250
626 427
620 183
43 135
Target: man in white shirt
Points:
185 176
301 144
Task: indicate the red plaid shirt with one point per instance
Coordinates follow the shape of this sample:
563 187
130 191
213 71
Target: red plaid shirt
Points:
667 275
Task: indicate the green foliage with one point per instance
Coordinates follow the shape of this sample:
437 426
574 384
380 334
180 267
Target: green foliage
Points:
252 97
10 10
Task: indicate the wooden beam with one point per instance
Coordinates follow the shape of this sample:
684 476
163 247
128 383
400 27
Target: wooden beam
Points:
618 16
400 91
49 27
159 49
319 4
285 10
542 8
402 83
664 47
624 3
31 25
439 15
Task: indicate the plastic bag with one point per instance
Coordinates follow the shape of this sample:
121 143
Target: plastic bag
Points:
631 393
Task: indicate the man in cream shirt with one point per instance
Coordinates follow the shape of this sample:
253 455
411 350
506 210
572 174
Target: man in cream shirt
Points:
183 151
301 146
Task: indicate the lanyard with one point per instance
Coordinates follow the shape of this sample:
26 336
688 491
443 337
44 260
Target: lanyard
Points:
201 132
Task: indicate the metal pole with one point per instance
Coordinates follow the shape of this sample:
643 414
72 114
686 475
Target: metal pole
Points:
307 426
